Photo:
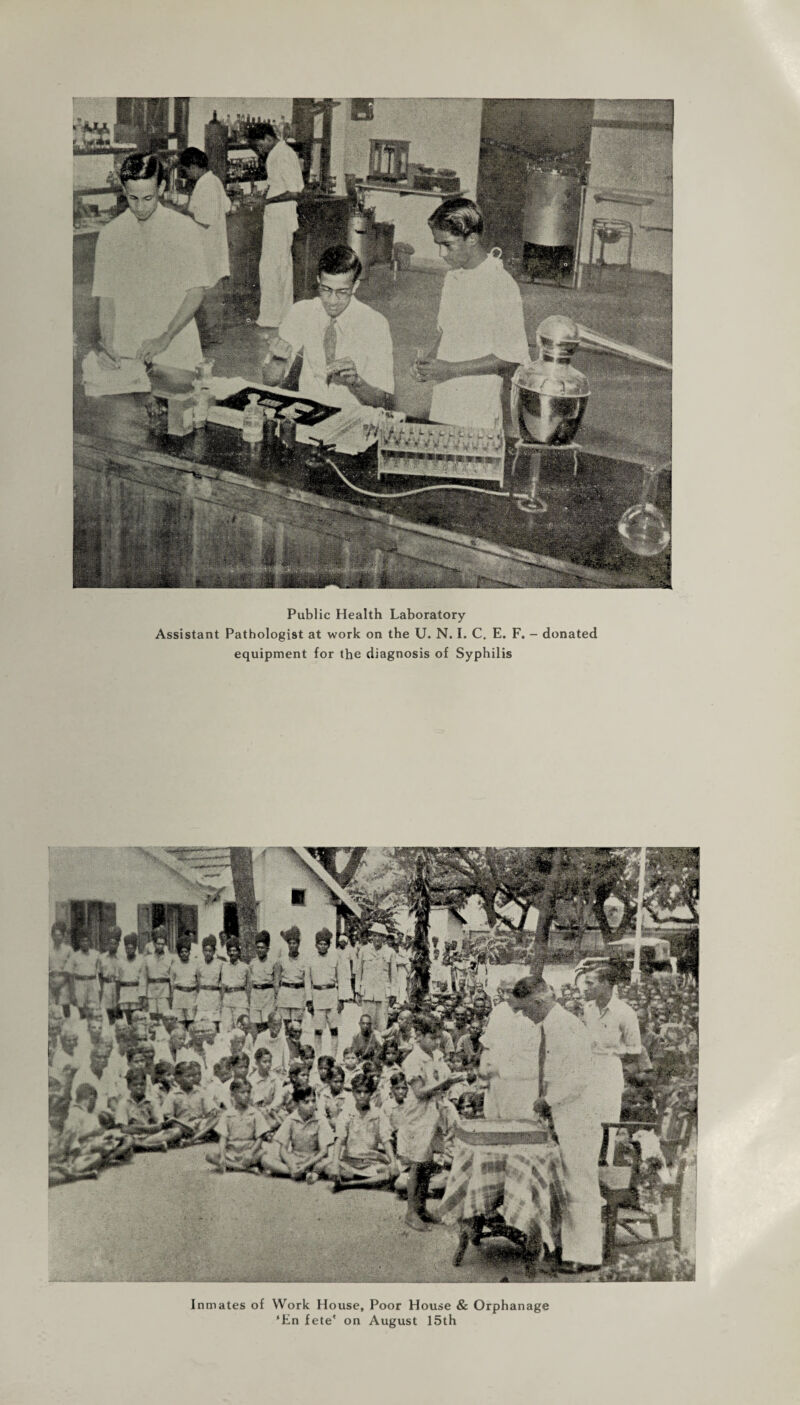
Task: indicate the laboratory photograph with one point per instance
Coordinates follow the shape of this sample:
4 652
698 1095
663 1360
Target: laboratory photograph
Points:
372 1065
372 343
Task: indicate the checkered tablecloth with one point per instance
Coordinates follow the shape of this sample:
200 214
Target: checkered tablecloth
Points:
522 1183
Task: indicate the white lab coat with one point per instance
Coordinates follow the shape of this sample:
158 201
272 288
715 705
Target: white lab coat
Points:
511 1043
480 314
146 267
209 204
280 222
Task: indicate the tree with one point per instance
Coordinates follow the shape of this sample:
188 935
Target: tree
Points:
373 909
343 871
244 894
547 911
419 901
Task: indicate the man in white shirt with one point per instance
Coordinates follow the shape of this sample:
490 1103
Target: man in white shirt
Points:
346 346
149 274
566 1091
508 1059
208 206
481 325
614 1031
284 185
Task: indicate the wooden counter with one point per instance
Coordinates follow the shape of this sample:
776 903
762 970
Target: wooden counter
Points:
210 511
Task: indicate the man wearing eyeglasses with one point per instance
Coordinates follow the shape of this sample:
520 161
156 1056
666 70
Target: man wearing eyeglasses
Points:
346 346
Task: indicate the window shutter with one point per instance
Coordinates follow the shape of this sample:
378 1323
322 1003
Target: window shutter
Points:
108 920
144 923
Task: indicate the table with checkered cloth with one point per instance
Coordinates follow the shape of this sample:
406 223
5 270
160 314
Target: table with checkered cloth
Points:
507 1168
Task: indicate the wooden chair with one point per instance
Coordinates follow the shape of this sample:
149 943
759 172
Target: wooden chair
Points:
621 1208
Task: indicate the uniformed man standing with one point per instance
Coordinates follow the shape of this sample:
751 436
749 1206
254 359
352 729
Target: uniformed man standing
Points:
324 998
376 977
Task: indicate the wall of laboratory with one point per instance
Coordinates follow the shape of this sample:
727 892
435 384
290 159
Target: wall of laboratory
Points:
633 157
441 132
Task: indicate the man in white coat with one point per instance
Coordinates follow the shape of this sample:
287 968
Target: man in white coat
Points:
508 1059
149 275
284 185
208 207
566 1091
481 325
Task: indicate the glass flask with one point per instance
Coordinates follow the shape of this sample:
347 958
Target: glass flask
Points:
643 527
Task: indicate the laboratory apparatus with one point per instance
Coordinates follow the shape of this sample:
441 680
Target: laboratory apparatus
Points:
643 527
440 450
549 395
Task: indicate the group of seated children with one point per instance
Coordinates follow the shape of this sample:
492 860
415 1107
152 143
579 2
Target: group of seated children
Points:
270 1105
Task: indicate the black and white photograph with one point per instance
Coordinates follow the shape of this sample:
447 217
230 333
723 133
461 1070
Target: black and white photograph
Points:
372 342
373 1065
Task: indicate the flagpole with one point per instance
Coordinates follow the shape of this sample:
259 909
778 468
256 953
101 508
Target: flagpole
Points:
637 947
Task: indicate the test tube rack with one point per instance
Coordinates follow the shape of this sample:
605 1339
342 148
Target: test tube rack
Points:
440 450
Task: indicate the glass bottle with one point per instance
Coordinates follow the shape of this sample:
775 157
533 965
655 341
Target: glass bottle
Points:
202 400
252 421
643 527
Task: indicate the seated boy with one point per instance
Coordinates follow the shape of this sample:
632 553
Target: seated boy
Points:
267 1089
363 1154
301 1146
189 1107
241 1130
140 1117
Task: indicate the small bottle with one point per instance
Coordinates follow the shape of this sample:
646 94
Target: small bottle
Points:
201 403
253 421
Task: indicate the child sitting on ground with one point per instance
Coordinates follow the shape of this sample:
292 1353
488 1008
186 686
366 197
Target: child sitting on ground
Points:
65 1162
89 1134
189 1107
362 1154
267 1090
334 1098
301 1146
349 1067
241 1130
218 1087
139 1116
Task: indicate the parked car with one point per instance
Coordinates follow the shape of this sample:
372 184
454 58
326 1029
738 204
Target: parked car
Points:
619 954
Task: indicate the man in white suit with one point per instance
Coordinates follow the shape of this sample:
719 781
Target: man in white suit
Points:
567 1091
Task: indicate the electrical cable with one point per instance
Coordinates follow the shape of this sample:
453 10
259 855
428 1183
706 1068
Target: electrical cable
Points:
413 492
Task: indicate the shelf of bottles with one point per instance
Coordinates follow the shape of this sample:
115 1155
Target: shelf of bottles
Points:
440 450
93 138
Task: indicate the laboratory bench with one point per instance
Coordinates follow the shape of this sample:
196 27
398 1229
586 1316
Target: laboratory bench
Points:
209 510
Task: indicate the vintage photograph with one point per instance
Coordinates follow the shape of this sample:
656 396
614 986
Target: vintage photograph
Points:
372 1064
372 342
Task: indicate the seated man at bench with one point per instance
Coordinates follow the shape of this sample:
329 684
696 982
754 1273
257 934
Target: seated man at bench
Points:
346 346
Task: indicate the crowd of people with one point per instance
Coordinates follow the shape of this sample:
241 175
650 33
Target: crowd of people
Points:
151 1051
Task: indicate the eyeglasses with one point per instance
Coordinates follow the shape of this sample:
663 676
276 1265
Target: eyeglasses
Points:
335 292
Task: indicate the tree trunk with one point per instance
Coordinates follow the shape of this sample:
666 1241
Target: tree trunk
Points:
348 873
244 894
547 911
420 904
